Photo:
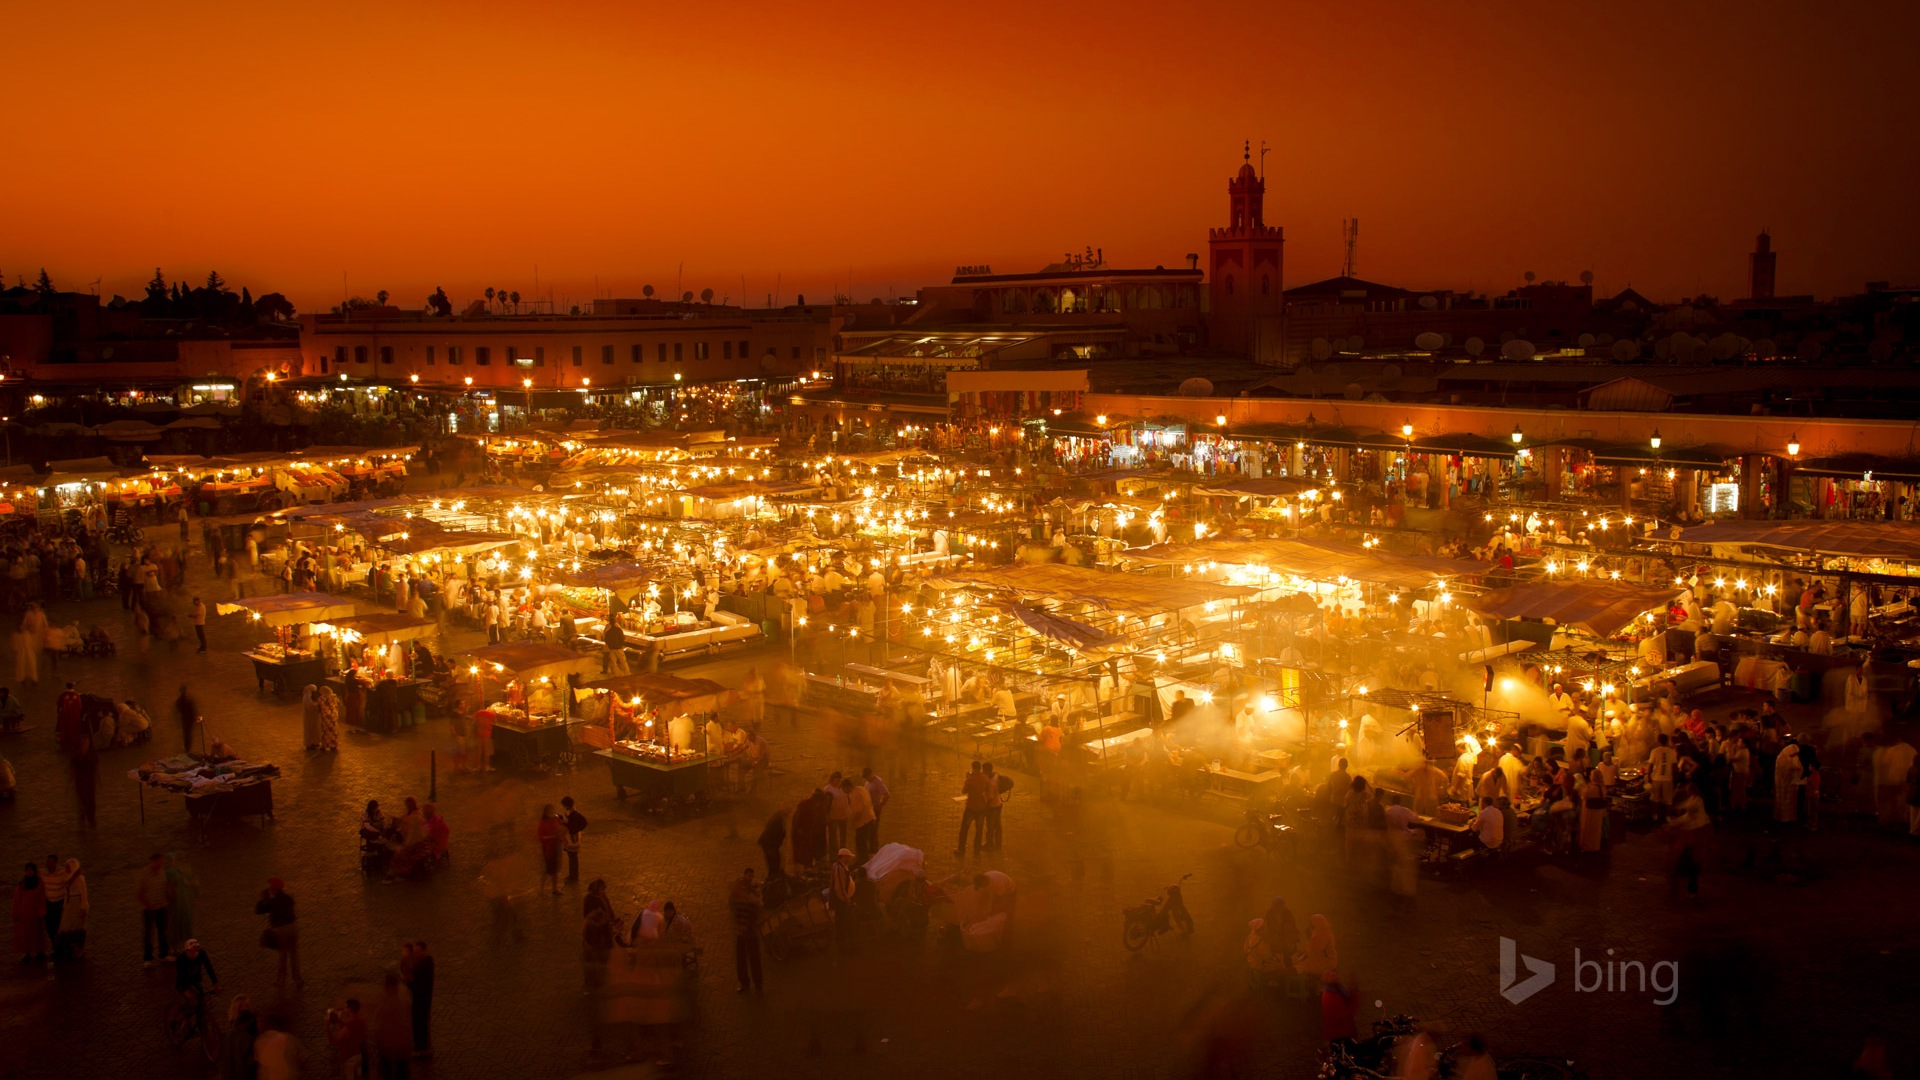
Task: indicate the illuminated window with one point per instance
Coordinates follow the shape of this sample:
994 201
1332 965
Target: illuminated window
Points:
700 350
482 355
453 354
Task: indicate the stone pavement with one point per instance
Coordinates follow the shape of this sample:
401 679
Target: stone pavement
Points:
1828 946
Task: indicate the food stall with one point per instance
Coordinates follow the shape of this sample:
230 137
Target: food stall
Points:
641 751
292 660
531 725
369 651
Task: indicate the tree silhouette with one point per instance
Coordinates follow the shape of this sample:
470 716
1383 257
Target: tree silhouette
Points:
489 296
157 288
381 296
44 286
215 283
438 302
515 297
274 306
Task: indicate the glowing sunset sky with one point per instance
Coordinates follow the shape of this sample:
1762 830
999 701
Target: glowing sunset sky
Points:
462 144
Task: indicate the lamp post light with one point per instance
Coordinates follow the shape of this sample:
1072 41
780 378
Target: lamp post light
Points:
1793 445
1517 436
1655 440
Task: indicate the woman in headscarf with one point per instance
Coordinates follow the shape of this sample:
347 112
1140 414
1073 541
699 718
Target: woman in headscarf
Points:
1786 785
73 917
184 888
1322 955
30 917
236 1044
310 717
329 710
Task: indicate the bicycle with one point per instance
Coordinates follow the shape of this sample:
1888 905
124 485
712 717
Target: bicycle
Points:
188 1019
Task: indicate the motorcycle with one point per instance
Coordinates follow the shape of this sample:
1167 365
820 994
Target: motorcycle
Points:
1155 916
1265 828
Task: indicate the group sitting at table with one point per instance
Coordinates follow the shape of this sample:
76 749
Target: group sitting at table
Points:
398 847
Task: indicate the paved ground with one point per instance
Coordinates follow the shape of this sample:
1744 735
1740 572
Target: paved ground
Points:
1818 938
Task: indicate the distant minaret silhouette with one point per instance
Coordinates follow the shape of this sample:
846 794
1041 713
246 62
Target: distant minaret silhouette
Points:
1760 268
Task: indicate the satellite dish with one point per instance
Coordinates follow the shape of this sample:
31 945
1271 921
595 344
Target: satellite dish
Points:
1604 339
1331 371
1429 341
1356 343
687 297
1765 349
1390 373
1586 341
1626 351
646 291
1428 303
1354 391
706 296
1517 349
1586 277
1321 348
1474 346
1726 346
1529 275
1809 349
1196 388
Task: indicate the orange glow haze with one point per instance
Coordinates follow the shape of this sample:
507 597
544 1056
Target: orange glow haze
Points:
463 144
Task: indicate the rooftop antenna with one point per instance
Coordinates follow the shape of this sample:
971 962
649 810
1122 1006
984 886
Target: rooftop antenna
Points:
1350 239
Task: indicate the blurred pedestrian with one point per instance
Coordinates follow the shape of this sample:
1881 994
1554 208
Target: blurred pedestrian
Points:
283 931
743 899
188 710
860 818
236 1043
30 917
347 1034
73 913
393 1029
551 829
183 893
575 823
200 622
53 880
273 1052
418 966
596 934
997 789
772 839
153 893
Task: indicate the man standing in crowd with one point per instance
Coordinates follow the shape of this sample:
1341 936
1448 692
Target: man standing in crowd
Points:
743 900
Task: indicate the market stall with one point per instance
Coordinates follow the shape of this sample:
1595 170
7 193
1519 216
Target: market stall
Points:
654 743
292 660
530 725
214 787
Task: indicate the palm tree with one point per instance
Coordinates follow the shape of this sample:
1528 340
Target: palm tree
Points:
489 295
515 297
381 296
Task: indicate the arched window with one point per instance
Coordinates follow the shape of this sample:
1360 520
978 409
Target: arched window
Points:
1013 302
1229 284
1263 284
1043 302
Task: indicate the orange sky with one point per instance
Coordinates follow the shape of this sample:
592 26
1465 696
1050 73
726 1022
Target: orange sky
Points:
464 143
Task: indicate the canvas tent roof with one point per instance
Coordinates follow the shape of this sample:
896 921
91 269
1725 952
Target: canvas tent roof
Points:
1879 539
670 694
1598 609
533 659
1130 592
284 609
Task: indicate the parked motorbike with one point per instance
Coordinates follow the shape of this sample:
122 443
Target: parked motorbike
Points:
1265 827
1157 915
